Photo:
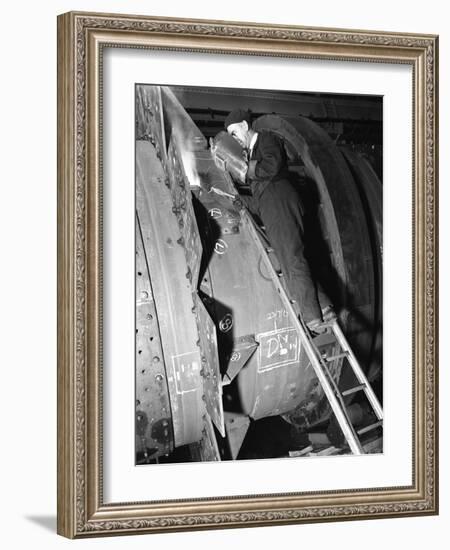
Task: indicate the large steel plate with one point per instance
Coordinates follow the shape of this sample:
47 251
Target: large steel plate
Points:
154 436
210 370
173 295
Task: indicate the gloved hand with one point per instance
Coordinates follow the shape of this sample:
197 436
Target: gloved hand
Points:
251 169
219 162
237 202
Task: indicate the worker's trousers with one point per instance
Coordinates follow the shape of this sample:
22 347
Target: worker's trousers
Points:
280 209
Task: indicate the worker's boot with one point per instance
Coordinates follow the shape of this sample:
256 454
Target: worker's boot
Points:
328 314
316 327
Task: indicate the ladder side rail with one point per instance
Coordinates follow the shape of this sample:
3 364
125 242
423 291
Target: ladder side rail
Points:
362 379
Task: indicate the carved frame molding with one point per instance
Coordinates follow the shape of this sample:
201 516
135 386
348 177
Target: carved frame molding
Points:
81 37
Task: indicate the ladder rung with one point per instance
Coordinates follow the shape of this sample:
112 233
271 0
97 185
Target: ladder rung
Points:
353 390
328 451
328 324
357 370
369 428
338 356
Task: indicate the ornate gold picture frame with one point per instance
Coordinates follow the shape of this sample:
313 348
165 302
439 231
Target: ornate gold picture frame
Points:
82 41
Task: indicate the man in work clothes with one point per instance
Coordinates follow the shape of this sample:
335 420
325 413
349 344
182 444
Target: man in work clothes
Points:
278 205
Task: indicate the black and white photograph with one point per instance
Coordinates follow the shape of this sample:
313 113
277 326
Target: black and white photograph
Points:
224 237
258 274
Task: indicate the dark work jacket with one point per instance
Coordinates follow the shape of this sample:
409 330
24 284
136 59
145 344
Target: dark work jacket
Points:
271 162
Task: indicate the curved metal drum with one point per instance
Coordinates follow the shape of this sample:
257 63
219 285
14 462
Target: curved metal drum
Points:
255 332
371 193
